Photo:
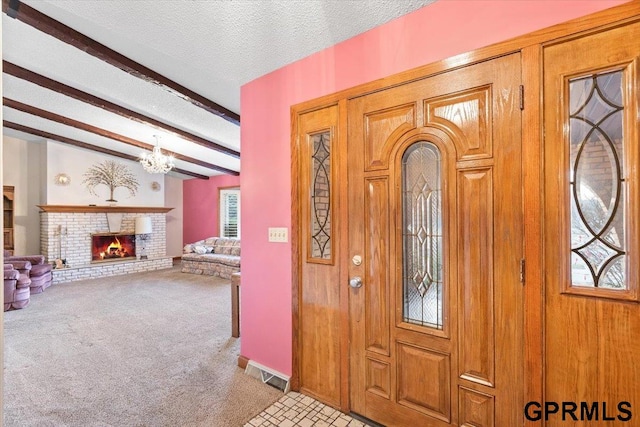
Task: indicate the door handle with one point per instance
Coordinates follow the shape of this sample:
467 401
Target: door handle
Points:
355 282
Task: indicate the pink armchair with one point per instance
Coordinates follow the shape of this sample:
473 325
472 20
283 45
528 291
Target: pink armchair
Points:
17 291
39 273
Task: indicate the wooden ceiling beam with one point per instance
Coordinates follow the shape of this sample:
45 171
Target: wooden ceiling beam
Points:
47 83
30 16
29 109
76 143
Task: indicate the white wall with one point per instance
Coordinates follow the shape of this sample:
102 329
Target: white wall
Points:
23 170
62 158
32 166
173 199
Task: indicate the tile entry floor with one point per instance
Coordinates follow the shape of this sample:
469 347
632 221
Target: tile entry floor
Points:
295 409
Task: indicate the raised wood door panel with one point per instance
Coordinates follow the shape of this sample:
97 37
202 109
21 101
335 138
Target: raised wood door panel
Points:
469 371
592 334
475 272
382 130
466 115
376 219
320 326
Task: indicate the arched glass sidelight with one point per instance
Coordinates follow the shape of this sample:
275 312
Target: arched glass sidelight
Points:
422 235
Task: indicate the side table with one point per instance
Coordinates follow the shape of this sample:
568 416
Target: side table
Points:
235 305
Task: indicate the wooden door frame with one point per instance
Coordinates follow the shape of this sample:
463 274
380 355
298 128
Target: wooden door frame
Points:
530 46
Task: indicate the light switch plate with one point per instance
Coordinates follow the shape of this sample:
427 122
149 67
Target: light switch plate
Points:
278 234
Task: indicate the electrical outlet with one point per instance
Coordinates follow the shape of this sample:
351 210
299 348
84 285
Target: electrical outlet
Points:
278 234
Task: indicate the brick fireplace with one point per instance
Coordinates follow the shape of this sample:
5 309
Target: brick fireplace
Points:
70 233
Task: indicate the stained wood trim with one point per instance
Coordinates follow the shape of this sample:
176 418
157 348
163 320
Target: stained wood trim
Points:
98 209
243 362
296 247
344 260
29 109
47 83
76 143
30 16
532 225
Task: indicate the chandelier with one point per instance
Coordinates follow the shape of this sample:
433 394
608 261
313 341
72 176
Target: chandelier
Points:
156 162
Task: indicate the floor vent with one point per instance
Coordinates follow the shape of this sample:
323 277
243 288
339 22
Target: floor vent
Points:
268 376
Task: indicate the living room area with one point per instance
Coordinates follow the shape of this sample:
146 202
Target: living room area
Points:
120 310
64 219
114 324
110 330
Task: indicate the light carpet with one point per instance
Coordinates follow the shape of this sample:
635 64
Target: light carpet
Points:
145 349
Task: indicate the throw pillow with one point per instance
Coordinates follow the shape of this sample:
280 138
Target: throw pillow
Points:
200 250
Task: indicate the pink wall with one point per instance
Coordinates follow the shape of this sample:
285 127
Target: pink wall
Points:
435 32
200 204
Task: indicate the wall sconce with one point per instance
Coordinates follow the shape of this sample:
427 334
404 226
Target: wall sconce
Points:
143 229
62 179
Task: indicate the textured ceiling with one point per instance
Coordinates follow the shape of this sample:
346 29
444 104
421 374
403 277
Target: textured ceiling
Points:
210 47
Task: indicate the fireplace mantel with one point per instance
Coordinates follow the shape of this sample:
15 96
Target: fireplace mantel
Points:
94 209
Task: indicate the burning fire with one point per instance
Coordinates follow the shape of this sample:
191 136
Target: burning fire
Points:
115 249
112 247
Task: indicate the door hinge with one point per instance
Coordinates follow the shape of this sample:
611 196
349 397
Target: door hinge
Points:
522 271
522 97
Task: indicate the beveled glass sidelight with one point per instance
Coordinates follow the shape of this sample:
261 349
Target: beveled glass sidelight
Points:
422 235
597 181
321 196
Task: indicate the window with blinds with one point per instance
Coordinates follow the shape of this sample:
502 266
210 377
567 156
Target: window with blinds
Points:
230 213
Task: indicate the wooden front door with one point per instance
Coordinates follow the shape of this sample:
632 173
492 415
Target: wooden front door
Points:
592 230
435 250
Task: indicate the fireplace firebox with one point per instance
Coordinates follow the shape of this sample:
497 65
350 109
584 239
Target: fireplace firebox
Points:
112 247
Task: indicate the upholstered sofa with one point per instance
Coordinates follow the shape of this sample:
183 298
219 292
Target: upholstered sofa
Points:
215 256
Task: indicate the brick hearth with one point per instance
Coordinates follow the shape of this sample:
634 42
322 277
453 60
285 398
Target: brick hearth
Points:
73 230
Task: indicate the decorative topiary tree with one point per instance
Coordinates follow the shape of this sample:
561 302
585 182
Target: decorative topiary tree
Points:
111 174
